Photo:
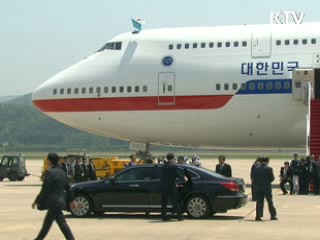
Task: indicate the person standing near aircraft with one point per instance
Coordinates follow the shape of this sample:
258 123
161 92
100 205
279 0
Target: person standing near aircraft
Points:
223 168
78 171
132 162
263 177
253 187
286 174
295 165
51 197
170 187
92 171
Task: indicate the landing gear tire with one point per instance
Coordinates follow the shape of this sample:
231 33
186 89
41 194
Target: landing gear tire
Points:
198 206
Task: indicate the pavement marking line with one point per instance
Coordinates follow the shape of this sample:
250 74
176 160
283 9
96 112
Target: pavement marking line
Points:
254 209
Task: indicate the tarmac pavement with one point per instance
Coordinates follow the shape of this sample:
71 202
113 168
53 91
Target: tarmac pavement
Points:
299 216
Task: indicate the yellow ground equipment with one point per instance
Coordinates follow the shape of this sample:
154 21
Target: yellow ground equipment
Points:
108 166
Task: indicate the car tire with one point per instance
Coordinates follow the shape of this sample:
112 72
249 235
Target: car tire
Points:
83 206
197 206
20 179
13 176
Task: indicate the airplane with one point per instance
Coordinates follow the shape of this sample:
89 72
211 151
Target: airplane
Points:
221 86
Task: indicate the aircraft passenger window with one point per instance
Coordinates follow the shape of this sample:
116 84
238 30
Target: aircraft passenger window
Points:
121 89
244 44
170 88
234 86
195 45
98 89
113 89
55 91
269 86
179 46
243 86
69 90
226 86
219 44
106 89
186 46
313 41
211 45
287 85
91 90
260 86
170 47
278 85
236 44
218 87
287 42
203 45
83 90
145 88
304 41
228 44
252 86
61 91
296 42
297 84
136 89
129 89
278 42
76 90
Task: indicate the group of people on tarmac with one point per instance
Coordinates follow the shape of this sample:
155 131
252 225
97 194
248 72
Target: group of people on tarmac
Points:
79 169
301 174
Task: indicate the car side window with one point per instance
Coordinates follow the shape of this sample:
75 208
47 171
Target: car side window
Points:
157 173
5 161
135 174
14 161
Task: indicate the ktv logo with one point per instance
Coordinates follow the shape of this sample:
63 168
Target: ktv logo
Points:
286 17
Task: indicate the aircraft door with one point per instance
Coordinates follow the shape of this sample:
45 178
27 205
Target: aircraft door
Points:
317 84
261 44
300 80
166 89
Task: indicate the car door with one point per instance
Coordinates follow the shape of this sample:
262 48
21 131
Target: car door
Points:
128 190
4 167
155 189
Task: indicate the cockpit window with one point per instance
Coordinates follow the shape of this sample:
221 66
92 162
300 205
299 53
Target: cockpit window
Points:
111 46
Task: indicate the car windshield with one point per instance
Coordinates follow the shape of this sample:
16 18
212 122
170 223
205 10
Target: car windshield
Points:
111 46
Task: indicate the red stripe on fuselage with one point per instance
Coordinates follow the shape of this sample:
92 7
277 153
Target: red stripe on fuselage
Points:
132 104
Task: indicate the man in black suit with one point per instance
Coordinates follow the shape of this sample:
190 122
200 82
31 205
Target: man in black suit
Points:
52 197
92 170
262 178
286 174
223 168
79 171
169 175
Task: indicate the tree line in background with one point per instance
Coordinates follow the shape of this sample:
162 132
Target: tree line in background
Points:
24 128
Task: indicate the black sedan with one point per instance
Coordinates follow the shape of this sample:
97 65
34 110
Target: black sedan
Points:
138 189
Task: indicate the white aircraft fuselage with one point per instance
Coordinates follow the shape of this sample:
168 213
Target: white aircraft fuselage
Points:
204 86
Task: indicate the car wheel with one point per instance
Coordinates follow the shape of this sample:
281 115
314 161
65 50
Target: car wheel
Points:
83 206
13 176
198 206
20 178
